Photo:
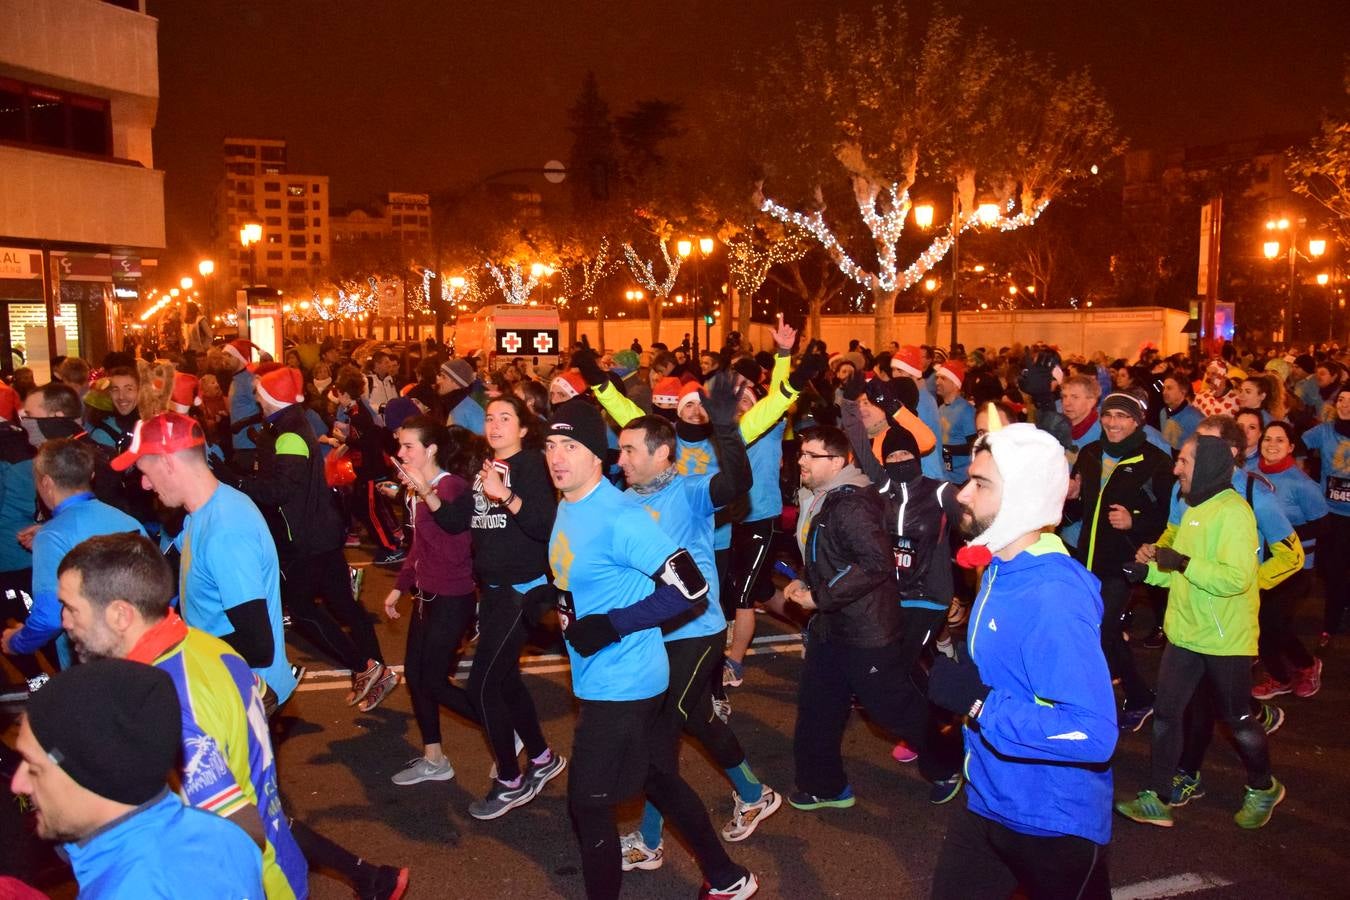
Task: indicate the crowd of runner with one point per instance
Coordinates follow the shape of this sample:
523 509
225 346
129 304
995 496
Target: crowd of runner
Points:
975 546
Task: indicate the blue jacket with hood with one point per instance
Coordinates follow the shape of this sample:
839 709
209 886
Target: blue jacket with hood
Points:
1038 755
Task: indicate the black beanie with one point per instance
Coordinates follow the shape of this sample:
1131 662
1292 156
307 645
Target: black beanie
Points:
582 422
899 440
113 725
1129 404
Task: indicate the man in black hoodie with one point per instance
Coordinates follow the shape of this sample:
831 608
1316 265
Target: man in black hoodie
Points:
1124 486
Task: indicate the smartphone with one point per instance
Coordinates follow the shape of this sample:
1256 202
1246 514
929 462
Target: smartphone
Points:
398 465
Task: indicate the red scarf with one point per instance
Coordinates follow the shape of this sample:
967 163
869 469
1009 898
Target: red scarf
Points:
162 637
1286 463
1082 427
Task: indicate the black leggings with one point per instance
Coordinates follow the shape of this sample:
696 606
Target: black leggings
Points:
982 859
618 748
1119 657
694 665
1191 684
1281 650
373 510
742 587
437 629
326 575
499 695
1333 559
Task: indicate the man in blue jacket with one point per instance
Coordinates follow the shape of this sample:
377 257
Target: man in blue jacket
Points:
1034 685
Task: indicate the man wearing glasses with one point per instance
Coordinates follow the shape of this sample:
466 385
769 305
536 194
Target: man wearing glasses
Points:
853 642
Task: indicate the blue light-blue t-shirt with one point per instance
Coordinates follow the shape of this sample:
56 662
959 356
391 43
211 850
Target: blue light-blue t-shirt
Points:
228 558
1179 426
958 427
1334 452
242 405
74 519
931 462
604 550
1302 501
683 509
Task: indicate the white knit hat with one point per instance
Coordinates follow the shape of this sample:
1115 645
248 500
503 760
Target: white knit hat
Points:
1035 481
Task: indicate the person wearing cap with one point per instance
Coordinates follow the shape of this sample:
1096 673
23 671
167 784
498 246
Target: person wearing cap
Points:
229 580
909 362
63 471
456 381
619 578
289 486
566 385
98 743
1121 488
683 506
957 418
244 409
1040 726
1210 568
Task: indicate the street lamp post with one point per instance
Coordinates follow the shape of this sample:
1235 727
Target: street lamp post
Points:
249 236
206 268
1271 249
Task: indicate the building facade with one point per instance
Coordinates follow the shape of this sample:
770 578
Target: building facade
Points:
81 203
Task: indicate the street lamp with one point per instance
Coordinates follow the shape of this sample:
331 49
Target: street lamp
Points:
185 283
206 268
1271 249
923 215
685 248
987 212
249 236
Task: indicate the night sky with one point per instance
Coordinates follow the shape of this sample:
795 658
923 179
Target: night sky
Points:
416 95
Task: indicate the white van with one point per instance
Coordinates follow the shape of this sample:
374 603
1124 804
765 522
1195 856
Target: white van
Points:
507 331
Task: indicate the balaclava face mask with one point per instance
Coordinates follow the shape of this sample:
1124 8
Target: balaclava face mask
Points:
1213 470
898 441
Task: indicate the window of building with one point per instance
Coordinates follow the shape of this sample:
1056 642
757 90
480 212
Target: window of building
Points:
272 204
241 150
295 190
274 239
48 118
243 187
424 221
274 254
295 223
243 204
315 204
271 170
318 239
297 256
274 221
240 168
297 240
396 221
316 189
318 223
274 154
275 271
12 126
272 186
295 206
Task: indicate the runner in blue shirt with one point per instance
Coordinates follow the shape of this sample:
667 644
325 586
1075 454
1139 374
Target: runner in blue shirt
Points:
1331 442
606 552
229 583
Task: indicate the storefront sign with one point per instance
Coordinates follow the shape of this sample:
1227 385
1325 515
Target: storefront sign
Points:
17 262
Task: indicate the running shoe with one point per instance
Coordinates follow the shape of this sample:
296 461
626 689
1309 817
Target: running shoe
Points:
803 800
1146 808
1134 719
722 708
745 818
501 799
539 775
743 887
423 769
381 689
1259 806
1268 688
1185 788
945 790
520 745
1155 640
1272 717
636 854
733 673
37 681
1309 680
393 557
381 882
362 683
298 672
902 754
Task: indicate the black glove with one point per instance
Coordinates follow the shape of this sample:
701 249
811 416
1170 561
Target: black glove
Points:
957 686
591 634
720 401
1170 560
855 387
811 366
907 392
1135 572
587 362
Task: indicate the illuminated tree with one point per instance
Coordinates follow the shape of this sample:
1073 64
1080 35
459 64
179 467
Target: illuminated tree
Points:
1321 172
644 270
894 107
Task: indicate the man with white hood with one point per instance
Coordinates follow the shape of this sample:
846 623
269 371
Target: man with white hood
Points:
1034 686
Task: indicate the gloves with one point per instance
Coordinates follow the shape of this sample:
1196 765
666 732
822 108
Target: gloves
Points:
587 362
720 401
591 634
957 686
906 391
855 386
1170 560
1135 572
811 366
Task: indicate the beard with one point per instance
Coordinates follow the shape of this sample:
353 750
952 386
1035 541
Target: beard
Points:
971 525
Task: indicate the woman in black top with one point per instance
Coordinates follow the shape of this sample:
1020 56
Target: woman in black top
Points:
514 505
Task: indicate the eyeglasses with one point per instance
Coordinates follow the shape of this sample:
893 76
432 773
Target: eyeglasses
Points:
807 454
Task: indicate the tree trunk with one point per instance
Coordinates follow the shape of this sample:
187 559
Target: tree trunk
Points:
883 318
930 325
573 313
599 322
743 309
654 315
817 304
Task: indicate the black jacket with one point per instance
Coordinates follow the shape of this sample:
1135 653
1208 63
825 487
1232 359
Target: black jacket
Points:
850 568
290 488
1142 483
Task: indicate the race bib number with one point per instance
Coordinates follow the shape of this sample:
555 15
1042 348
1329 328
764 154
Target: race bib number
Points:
904 554
947 459
1338 489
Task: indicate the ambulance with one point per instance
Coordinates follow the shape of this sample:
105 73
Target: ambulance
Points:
506 332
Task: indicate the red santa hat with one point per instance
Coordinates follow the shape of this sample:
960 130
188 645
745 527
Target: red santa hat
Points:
184 395
692 392
242 350
666 392
909 360
953 369
281 386
570 383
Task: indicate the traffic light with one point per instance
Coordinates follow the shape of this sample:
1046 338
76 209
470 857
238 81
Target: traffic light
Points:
707 320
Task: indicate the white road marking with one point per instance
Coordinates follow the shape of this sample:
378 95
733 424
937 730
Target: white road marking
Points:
1171 886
